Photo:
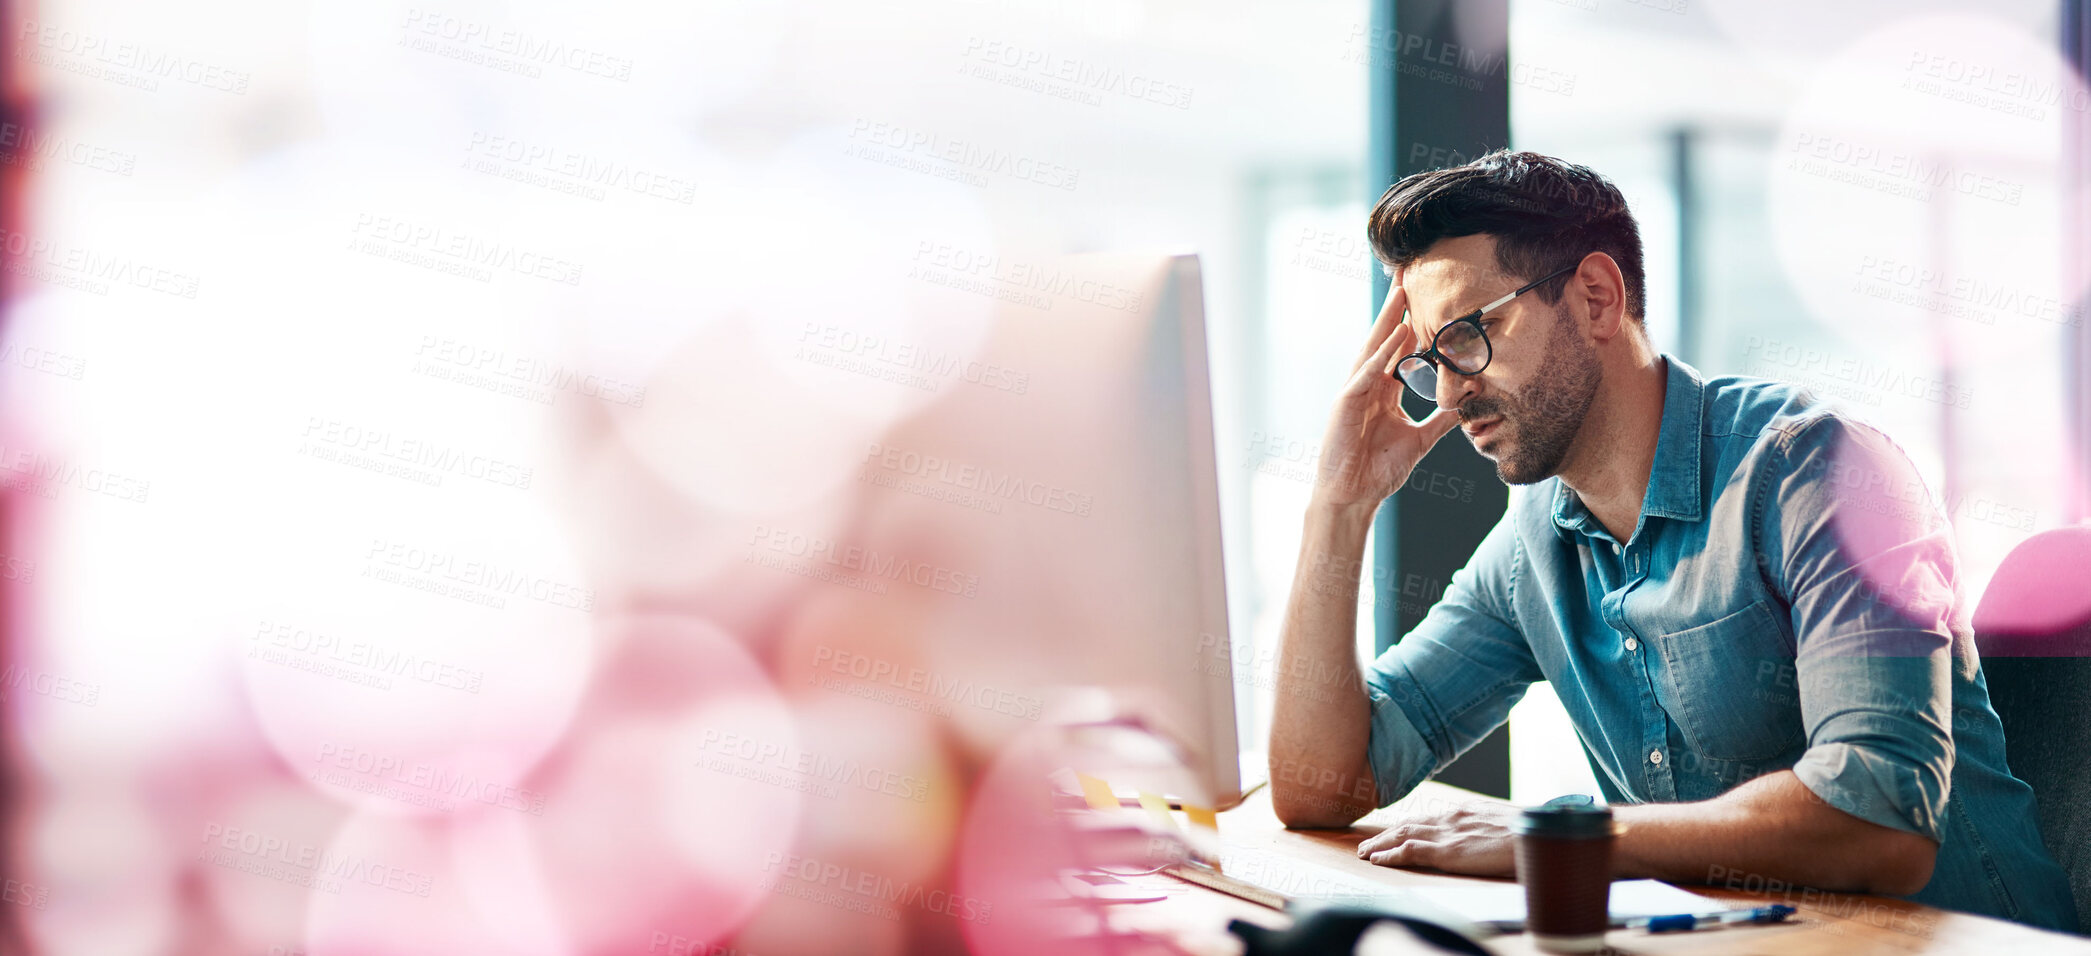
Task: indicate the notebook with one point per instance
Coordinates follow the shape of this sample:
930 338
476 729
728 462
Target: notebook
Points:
1274 879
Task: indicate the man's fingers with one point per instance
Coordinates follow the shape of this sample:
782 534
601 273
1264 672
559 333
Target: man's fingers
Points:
1438 425
1375 365
1395 836
1411 853
1390 315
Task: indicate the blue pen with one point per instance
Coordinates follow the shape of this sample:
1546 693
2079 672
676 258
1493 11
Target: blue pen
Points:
1775 913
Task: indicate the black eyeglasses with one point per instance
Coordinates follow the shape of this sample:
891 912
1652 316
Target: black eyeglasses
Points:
1461 344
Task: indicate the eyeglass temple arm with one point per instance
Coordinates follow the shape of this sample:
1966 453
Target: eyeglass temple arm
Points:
1534 284
1527 287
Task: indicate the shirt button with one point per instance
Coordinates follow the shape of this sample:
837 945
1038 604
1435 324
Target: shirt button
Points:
1655 757
1633 645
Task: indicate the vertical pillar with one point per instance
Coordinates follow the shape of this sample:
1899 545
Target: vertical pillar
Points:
1440 75
2076 267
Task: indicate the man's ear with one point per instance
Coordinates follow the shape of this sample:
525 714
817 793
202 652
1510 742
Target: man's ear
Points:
1600 289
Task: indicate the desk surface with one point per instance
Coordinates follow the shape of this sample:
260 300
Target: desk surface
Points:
1831 924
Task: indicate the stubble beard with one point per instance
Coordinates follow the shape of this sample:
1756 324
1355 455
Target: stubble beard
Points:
1542 419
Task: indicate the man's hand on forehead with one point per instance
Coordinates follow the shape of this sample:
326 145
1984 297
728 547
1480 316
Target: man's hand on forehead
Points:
1413 317
1437 280
1417 312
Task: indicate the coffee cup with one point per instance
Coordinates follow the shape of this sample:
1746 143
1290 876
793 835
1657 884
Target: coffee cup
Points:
1564 861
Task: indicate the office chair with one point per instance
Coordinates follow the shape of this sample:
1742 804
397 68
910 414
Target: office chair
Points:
2033 633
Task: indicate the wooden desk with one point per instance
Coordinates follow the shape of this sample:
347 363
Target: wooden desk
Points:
1829 924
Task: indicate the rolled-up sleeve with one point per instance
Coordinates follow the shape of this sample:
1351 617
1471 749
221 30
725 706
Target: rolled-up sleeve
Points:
1853 541
1453 678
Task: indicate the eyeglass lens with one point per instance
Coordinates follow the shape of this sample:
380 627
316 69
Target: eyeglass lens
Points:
1461 343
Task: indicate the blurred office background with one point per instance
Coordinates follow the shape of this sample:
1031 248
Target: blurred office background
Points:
226 242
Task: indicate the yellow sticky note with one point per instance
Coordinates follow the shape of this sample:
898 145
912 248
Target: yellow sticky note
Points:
1202 816
1097 792
1157 808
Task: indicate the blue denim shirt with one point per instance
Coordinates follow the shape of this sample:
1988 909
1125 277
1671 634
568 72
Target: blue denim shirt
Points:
1787 600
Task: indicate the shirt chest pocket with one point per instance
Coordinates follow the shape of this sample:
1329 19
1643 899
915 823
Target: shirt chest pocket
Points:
1730 686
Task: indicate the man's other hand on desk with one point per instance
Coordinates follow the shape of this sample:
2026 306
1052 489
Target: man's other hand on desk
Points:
1773 825
1470 838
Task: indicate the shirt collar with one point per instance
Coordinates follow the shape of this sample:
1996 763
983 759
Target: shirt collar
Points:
1674 488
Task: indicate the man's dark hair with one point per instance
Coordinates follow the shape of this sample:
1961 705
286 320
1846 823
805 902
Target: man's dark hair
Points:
1544 213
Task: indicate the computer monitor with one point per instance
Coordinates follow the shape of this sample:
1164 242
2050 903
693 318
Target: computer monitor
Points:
1069 474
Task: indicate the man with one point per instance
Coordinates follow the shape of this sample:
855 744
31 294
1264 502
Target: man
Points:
1744 599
